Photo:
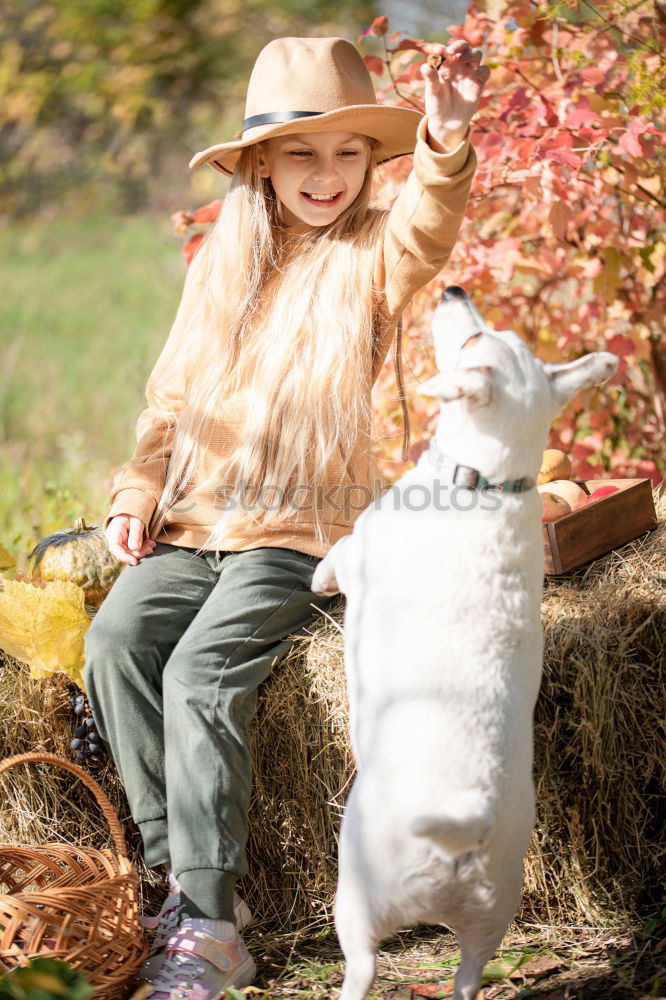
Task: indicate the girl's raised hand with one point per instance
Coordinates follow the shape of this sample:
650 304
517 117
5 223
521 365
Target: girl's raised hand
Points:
124 534
453 92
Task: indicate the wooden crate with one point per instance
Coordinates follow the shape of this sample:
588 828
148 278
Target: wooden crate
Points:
601 526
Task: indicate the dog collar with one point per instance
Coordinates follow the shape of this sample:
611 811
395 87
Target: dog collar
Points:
466 476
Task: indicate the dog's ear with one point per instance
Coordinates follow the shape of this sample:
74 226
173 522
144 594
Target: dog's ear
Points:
472 384
566 380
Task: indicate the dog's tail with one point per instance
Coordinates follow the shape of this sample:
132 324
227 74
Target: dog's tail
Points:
462 826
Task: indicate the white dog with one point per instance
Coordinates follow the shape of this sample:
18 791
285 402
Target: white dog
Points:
443 579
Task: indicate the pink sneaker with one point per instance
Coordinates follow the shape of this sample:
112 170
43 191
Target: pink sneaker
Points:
167 921
197 966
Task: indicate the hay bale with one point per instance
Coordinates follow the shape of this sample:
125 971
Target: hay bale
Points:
597 855
599 851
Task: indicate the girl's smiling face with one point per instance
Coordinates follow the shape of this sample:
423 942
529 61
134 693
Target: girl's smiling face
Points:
307 164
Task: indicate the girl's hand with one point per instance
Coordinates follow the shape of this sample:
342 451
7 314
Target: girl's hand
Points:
124 534
452 93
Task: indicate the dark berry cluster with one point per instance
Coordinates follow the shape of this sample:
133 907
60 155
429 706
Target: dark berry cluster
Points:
86 743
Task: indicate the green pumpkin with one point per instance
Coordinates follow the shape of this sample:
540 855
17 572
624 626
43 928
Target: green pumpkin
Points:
80 554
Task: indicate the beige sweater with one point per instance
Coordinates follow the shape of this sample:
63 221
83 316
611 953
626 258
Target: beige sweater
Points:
420 234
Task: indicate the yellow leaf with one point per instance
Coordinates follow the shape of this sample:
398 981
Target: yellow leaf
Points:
7 560
18 610
45 627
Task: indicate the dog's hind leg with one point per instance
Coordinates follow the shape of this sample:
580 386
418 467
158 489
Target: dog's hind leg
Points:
468 976
479 939
474 954
356 933
360 968
357 940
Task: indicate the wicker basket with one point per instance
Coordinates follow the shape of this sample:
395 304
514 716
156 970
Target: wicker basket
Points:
73 903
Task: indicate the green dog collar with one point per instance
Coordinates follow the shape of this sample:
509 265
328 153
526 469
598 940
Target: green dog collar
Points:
466 476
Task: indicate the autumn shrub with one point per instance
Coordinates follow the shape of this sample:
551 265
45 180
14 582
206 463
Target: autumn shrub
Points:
564 237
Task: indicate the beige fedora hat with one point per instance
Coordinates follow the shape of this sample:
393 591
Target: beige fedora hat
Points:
313 85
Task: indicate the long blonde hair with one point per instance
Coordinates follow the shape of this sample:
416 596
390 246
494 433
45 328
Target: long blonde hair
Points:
281 322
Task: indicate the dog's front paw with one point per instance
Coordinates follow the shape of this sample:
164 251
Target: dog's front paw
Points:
323 580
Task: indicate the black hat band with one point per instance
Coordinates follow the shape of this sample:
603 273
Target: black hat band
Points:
274 117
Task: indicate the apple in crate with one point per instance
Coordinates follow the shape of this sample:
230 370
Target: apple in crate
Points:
603 491
567 490
554 507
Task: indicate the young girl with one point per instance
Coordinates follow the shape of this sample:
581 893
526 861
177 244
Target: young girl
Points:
253 456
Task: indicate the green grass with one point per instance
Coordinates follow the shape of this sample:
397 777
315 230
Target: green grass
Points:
85 307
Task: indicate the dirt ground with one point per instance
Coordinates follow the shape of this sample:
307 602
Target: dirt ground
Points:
539 963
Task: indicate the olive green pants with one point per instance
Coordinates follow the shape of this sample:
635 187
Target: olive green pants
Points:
173 660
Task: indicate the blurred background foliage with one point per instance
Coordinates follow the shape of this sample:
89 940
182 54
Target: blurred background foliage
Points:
105 101
102 105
